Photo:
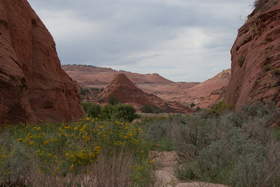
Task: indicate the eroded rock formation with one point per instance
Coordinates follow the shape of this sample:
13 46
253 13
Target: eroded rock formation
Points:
256 58
33 86
125 91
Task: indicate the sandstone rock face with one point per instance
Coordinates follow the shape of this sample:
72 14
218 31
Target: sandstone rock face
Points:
125 91
33 86
256 58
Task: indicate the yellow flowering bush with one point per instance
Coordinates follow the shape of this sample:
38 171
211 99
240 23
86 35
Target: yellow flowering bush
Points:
64 148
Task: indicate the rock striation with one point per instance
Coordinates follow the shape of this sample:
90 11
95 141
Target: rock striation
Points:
33 86
256 58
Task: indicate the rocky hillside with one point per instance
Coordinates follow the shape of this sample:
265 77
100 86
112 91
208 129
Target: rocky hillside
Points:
33 86
125 91
97 77
202 94
256 57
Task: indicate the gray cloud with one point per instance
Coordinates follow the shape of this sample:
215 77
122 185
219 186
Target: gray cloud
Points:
184 40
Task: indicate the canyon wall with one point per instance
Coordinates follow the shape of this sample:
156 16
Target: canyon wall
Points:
33 86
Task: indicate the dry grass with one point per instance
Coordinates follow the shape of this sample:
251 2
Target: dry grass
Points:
109 171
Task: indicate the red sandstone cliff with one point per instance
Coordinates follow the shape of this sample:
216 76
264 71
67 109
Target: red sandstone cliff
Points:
256 58
33 86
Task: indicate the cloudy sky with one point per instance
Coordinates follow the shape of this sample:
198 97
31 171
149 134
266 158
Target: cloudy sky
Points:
183 40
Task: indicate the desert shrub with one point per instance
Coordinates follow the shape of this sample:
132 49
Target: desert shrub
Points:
124 112
219 108
151 109
158 131
92 110
234 148
120 112
113 101
192 105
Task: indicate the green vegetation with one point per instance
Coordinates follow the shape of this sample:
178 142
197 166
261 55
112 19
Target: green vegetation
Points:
85 91
121 112
114 101
92 110
219 108
236 149
110 153
106 149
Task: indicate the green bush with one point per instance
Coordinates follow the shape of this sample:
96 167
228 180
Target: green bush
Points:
121 112
92 110
113 101
125 112
220 108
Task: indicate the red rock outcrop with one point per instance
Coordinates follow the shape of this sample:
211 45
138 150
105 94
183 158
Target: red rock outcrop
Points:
125 91
33 86
209 92
256 58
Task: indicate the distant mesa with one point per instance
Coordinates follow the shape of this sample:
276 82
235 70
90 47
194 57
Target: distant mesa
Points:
33 86
125 91
202 94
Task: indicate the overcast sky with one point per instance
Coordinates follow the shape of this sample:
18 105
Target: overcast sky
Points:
183 40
